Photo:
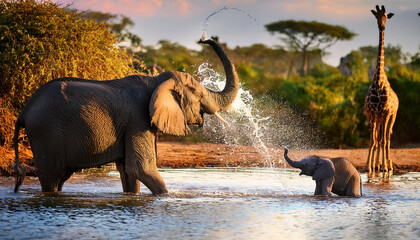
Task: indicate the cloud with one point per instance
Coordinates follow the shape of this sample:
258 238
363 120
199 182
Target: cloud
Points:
342 8
127 7
145 8
232 2
183 6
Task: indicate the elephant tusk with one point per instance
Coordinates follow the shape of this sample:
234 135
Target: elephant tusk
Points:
221 119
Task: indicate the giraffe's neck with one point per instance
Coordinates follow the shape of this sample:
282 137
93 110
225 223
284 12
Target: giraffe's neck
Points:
380 71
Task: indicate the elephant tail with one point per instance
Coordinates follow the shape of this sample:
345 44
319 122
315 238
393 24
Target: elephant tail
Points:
18 169
361 193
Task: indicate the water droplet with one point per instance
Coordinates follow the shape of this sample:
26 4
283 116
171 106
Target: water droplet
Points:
257 123
226 8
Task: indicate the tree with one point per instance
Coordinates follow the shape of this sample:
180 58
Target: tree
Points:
41 40
394 55
117 24
308 36
415 61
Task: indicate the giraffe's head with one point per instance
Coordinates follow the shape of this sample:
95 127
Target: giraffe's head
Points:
381 16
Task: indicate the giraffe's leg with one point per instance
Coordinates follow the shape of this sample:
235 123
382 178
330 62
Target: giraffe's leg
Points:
389 127
383 146
369 159
378 142
372 149
382 165
376 164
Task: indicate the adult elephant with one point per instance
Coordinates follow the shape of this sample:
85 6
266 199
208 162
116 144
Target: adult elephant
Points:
75 123
335 175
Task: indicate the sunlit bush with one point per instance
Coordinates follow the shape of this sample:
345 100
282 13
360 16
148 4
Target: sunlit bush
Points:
41 40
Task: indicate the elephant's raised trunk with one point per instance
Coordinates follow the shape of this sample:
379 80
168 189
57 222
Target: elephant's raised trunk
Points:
224 98
295 164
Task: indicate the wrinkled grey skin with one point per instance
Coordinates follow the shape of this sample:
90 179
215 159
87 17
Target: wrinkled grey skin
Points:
335 175
75 123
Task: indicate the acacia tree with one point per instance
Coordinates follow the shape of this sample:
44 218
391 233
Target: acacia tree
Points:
117 24
308 36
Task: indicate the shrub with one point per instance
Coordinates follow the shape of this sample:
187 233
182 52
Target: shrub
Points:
41 40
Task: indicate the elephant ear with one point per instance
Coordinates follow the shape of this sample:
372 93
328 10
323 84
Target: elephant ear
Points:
324 169
165 110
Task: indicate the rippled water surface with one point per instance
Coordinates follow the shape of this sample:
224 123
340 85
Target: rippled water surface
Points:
225 203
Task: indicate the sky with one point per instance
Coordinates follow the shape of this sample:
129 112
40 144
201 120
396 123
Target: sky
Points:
242 24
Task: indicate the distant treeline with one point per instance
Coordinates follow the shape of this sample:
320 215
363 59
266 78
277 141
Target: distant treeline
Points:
333 96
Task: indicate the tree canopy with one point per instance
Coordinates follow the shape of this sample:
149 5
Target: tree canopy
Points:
117 24
308 36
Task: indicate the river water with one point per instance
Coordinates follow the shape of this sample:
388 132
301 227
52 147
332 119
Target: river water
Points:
210 203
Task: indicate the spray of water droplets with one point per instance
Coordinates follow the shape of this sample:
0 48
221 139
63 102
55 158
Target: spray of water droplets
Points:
225 8
256 124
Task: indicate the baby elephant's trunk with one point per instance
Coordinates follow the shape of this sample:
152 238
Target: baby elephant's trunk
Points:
295 164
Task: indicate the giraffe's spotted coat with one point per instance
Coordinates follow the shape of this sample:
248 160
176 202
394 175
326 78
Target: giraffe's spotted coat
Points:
381 105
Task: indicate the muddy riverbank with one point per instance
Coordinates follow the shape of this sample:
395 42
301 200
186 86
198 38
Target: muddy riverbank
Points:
179 155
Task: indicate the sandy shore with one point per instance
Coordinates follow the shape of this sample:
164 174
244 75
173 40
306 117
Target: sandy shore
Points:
179 155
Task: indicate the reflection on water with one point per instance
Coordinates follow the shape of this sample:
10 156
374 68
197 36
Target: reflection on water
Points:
210 204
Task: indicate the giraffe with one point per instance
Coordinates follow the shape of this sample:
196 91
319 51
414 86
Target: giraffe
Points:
381 107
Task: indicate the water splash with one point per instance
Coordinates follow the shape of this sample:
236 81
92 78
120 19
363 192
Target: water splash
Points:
252 126
257 123
243 107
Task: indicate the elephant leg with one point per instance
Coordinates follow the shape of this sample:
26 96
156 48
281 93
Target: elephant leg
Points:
141 161
326 186
48 149
48 171
49 179
318 190
64 178
353 187
152 180
48 184
129 182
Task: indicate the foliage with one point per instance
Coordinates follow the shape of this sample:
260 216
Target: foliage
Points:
335 102
415 61
393 55
406 83
169 56
41 40
7 120
308 36
117 24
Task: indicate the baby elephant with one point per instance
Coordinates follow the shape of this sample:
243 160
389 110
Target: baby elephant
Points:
335 175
